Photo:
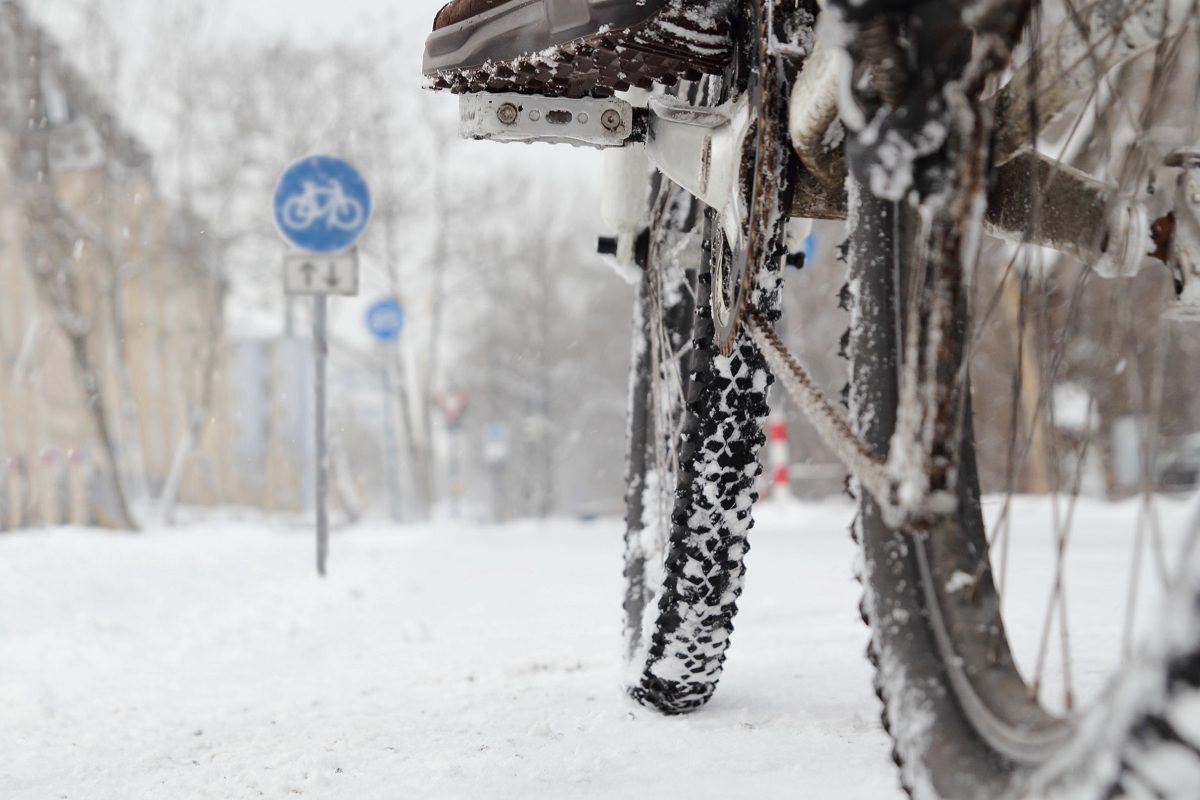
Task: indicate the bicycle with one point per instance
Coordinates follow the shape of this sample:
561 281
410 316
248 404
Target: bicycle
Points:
326 204
898 119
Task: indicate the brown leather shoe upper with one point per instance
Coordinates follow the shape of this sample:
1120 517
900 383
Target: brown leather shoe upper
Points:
458 10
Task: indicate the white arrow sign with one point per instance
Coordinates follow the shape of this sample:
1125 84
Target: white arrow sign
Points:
315 274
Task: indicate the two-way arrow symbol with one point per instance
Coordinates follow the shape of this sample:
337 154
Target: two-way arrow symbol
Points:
314 273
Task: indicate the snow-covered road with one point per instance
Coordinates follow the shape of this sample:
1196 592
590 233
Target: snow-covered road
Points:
450 661
461 661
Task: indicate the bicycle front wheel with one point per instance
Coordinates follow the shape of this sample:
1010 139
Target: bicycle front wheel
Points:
695 434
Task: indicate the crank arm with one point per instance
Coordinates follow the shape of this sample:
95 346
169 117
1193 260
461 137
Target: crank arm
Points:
701 149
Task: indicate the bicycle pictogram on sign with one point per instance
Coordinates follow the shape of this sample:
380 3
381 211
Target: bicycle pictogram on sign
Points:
326 204
385 319
322 204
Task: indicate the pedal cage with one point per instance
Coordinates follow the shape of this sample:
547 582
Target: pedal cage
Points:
582 122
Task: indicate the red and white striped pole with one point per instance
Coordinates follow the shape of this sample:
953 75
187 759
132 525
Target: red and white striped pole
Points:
779 459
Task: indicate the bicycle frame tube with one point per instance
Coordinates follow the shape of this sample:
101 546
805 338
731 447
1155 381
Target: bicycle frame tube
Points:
1115 235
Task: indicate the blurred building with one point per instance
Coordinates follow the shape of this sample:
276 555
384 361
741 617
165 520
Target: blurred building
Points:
111 347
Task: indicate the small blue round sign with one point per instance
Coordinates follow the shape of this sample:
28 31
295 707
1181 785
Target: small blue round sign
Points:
810 249
385 319
322 204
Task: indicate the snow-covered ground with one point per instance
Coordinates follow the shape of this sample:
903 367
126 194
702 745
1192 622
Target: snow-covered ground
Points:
447 661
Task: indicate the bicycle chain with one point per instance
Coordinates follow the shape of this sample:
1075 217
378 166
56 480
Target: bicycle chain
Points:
833 428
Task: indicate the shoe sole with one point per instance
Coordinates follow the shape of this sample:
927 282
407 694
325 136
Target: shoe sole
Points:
598 48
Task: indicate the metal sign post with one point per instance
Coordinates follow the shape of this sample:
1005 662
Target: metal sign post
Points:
320 358
385 320
322 206
453 405
495 454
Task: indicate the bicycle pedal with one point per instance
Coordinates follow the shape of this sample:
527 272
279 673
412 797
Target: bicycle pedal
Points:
583 122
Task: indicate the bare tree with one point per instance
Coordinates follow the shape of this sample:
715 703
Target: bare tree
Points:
55 240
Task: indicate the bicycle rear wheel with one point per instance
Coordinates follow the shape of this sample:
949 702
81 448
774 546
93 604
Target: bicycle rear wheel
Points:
997 680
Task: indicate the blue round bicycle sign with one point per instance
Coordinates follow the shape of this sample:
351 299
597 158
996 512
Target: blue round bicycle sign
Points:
322 204
385 319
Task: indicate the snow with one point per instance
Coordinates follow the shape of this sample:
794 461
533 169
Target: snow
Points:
892 176
443 661
456 660
717 42
1074 409
959 581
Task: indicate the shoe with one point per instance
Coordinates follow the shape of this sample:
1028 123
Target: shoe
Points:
575 48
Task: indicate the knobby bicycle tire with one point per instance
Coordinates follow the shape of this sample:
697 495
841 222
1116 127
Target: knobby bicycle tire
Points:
679 643
678 652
